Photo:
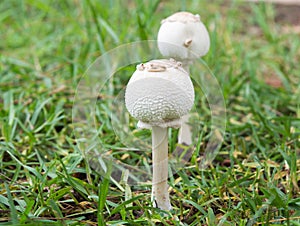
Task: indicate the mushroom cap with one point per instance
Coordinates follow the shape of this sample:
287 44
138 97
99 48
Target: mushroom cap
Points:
159 93
183 36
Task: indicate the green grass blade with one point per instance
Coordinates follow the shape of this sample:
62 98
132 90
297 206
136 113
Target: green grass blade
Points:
102 194
13 211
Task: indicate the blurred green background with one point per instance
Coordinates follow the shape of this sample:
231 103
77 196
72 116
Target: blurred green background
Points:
46 46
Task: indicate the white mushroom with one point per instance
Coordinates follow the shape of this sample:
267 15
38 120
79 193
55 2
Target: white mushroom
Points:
187 35
184 37
158 94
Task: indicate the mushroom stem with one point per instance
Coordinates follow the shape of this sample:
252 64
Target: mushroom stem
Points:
185 133
160 194
186 64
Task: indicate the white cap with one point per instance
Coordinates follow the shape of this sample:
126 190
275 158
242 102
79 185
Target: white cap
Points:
183 36
159 93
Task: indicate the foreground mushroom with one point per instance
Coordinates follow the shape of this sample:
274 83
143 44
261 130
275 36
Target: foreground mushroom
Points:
183 37
158 94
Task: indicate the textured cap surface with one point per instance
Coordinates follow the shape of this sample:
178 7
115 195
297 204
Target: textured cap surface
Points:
159 93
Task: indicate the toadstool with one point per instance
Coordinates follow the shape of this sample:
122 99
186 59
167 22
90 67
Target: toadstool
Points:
183 37
158 94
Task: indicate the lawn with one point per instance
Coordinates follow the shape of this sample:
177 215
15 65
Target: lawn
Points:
47 178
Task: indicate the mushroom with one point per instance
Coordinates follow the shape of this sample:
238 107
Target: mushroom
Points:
183 29
183 37
158 94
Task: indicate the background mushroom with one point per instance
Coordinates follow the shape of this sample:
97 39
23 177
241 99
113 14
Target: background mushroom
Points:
183 37
158 94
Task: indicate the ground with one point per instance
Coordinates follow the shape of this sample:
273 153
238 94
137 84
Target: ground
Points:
46 47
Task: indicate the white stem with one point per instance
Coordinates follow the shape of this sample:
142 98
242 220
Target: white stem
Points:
185 133
160 194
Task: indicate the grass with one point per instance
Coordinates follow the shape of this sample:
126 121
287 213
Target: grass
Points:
46 46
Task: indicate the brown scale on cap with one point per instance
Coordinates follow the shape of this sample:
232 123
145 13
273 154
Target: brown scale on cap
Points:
183 17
